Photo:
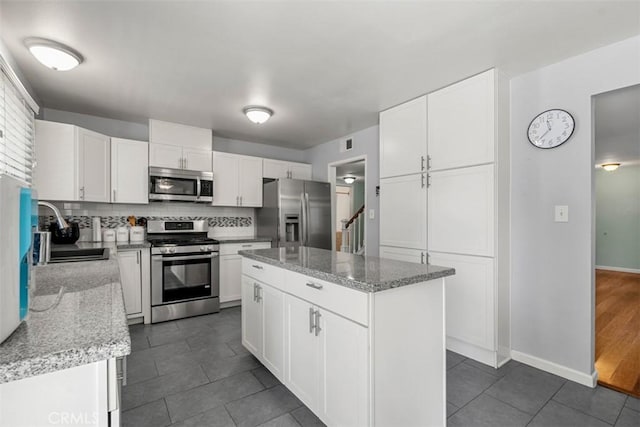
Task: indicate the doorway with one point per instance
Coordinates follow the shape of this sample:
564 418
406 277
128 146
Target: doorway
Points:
348 183
617 242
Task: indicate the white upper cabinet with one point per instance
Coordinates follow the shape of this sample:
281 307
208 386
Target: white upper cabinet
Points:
177 146
281 169
165 156
197 160
462 123
73 164
403 211
237 180
129 171
403 139
461 211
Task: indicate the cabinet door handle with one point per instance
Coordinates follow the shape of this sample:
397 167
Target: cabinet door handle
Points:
186 163
240 200
317 322
114 195
428 162
421 163
311 319
314 285
428 180
421 180
138 257
255 292
421 257
259 267
259 293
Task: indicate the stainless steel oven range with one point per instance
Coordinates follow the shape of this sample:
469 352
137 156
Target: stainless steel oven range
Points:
185 270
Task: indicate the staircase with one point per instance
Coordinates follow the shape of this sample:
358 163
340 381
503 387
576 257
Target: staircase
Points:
352 233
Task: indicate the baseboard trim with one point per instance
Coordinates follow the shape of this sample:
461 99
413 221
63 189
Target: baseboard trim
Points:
620 269
474 352
554 368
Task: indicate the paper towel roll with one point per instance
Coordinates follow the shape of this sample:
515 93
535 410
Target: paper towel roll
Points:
96 230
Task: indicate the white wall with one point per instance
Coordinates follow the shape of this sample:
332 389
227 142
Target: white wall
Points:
365 142
247 148
552 263
618 217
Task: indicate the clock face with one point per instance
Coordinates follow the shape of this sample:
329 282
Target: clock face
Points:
551 128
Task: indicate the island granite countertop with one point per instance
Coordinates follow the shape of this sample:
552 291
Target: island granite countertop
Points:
86 325
364 273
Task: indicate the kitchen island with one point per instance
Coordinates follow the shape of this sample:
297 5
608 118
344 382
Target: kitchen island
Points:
360 340
59 366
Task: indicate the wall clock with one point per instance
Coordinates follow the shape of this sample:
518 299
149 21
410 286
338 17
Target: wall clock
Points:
551 128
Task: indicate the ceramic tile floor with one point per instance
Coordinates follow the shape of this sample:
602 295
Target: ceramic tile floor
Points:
195 372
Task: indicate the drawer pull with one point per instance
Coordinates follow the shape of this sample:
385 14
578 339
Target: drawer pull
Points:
314 286
259 267
246 246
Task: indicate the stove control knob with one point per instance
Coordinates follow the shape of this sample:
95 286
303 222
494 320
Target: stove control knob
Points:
172 250
205 248
164 250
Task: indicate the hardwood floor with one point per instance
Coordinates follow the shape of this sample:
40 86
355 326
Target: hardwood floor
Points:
618 330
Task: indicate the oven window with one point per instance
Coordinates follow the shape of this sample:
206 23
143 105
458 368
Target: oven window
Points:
173 186
185 279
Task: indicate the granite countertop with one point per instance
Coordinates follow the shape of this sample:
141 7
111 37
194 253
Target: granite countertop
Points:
242 239
364 273
87 325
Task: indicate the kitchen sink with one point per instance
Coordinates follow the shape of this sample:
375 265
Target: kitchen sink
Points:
78 254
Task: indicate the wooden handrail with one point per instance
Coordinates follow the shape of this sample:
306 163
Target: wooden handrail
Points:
353 218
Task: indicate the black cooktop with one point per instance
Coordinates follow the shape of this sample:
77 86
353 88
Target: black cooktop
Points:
180 240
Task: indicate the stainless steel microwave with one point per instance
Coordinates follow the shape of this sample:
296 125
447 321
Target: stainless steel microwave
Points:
180 185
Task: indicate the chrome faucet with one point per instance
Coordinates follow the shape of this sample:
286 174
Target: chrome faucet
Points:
62 224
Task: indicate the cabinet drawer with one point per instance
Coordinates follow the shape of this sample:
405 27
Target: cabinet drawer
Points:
233 248
266 273
346 302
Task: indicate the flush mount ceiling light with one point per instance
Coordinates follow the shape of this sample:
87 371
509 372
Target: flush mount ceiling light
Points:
610 167
257 115
53 55
349 179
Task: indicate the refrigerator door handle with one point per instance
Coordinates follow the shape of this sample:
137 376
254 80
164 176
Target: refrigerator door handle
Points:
303 217
307 219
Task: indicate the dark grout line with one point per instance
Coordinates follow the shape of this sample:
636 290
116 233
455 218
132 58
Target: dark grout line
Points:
549 400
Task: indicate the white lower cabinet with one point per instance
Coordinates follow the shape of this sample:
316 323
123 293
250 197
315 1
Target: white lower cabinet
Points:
134 278
263 323
354 358
83 395
231 270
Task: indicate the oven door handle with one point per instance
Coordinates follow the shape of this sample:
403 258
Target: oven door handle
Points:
186 258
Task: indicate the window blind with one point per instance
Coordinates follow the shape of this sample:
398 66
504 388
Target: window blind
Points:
16 132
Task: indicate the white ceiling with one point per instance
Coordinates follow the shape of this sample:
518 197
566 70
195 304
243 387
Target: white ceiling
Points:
355 169
617 126
325 68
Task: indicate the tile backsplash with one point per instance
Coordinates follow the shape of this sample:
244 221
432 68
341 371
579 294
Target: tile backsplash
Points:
223 221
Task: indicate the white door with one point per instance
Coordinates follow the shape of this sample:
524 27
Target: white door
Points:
165 156
131 281
461 211
95 166
403 211
230 277
225 179
273 330
469 298
275 169
461 123
250 181
197 160
302 374
344 371
251 317
403 138
129 171
403 254
300 171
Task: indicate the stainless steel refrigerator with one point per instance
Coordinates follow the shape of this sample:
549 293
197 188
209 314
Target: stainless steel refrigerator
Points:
296 213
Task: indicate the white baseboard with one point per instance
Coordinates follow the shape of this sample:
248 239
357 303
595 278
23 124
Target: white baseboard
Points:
620 269
562 371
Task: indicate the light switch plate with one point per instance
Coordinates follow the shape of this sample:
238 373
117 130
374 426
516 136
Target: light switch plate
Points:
372 214
561 213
